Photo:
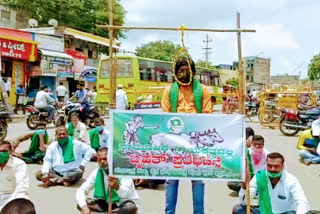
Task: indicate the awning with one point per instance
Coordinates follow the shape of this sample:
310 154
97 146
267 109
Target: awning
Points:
56 54
89 37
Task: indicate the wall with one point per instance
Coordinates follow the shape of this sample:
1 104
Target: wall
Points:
9 18
227 74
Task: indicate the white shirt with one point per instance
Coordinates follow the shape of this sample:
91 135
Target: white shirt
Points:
121 100
54 157
8 85
61 91
126 191
14 181
80 131
105 138
287 188
42 99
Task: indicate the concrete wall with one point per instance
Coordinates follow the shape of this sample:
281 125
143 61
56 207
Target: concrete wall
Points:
9 18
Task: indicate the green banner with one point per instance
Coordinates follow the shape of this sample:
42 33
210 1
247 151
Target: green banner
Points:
177 146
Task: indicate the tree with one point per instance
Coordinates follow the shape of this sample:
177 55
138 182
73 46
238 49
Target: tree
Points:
161 50
202 63
234 82
83 15
314 68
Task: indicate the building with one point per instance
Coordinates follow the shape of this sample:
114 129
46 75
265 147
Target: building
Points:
257 69
10 18
18 49
285 79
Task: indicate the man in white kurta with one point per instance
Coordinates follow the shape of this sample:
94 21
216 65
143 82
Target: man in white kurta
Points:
78 130
121 99
128 198
58 168
14 179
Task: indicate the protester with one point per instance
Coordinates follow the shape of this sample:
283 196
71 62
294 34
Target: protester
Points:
99 137
307 146
81 96
121 98
187 95
44 102
61 92
125 199
14 178
77 129
257 155
37 149
19 206
225 105
277 190
65 160
7 84
233 185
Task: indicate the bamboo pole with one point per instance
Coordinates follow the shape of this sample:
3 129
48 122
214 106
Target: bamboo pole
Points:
242 89
113 74
175 29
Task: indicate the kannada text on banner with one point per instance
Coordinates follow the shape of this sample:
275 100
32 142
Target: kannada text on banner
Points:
178 146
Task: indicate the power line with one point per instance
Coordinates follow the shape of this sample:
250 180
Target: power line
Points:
207 48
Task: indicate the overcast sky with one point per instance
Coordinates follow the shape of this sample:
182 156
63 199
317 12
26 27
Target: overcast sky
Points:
288 31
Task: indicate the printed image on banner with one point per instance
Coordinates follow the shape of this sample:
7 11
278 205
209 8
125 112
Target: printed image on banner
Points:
178 146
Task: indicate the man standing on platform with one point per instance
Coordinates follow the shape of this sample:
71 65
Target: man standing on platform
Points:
186 95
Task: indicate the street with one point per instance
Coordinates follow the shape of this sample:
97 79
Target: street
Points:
218 198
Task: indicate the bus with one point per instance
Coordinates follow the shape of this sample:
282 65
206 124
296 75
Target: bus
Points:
144 80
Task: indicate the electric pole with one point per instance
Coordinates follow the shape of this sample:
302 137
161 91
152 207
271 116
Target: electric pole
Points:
207 48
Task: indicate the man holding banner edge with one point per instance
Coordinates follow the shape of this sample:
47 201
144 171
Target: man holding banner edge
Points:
186 95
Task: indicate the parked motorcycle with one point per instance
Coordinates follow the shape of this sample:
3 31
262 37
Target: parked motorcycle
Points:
292 121
252 109
86 117
4 117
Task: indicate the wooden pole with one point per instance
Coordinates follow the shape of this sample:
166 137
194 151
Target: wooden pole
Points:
242 89
113 72
175 29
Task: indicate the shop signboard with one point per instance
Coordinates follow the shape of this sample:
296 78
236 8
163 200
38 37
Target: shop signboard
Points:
51 43
177 146
79 61
17 50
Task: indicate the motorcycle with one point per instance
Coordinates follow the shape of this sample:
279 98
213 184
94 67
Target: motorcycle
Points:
4 117
87 116
252 109
292 121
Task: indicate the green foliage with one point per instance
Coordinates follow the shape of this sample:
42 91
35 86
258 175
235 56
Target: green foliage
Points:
83 15
202 63
161 50
314 68
234 82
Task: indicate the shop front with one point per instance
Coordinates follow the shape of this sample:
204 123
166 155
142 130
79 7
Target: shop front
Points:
17 50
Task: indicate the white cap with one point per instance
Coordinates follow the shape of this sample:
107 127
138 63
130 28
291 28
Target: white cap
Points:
120 86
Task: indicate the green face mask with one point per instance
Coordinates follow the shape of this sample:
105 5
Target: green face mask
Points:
4 157
63 141
274 175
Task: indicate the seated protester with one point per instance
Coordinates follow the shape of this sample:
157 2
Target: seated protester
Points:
99 137
307 146
65 160
277 190
37 149
14 179
125 198
77 129
19 206
257 155
233 185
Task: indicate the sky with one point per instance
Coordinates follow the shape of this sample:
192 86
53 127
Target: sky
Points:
287 31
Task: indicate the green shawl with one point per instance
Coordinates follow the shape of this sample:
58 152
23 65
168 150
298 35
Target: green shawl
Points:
67 151
94 139
263 191
35 144
100 190
251 170
197 95
70 129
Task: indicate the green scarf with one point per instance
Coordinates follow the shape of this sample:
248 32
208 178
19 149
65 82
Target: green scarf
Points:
35 144
94 139
197 95
100 190
251 171
67 151
263 191
70 129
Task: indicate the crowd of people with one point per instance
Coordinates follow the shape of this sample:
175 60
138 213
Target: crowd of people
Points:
272 188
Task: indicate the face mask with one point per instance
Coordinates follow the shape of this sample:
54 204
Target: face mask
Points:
4 157
256 150
99 128
274 174
63 141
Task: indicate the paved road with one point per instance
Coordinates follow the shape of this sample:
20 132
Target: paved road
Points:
218 198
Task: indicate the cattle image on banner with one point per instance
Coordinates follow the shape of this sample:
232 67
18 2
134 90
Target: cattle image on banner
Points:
179 146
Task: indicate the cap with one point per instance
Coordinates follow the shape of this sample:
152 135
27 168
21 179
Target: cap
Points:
120 86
